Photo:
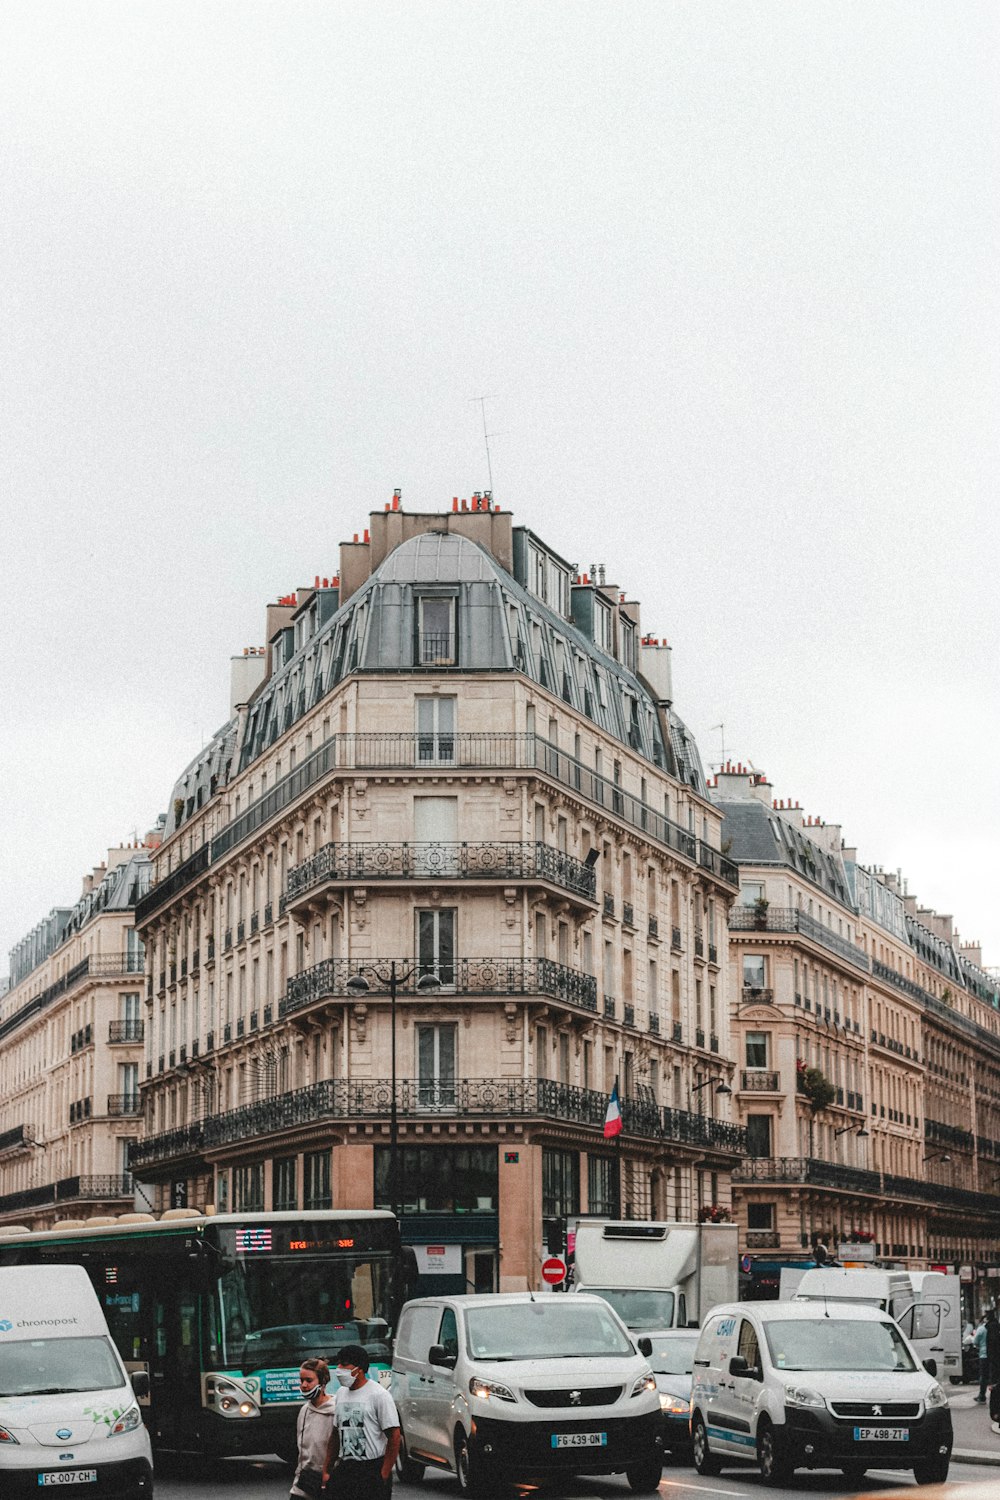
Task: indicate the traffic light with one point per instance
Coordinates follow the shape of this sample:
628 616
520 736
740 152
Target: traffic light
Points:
556 1240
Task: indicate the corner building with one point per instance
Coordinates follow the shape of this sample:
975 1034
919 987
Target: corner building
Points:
460 757
71 1048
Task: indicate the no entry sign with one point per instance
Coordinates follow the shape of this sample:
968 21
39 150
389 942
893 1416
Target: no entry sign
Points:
553 1270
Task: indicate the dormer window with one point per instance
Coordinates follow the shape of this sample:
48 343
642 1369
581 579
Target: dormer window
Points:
436 643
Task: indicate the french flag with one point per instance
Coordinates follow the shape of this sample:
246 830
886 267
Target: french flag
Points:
613 1118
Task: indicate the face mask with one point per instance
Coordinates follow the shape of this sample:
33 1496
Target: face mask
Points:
311 1395
346 1377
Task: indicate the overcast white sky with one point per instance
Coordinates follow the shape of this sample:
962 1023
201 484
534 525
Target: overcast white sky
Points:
729 270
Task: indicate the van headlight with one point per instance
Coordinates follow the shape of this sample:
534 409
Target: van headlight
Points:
645 1382
674 1406
484 1389
127 1422
802 1395
935 1397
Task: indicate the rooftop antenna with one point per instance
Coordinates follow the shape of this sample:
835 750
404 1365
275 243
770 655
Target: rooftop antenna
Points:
722 730
486 437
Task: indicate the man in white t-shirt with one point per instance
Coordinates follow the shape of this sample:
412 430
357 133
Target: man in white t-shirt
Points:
365 1437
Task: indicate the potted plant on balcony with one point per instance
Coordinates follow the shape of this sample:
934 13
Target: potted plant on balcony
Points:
714 1213
760 907
818 1091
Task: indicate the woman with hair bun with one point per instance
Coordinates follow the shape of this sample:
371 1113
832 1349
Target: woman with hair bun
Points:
312 1429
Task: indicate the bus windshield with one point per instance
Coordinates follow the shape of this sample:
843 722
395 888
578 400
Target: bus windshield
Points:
321 1304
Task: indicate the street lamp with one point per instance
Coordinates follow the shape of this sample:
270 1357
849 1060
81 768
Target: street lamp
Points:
359 985
716 1078
938 1156
859 1131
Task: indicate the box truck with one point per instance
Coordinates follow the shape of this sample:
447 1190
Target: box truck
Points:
657 1275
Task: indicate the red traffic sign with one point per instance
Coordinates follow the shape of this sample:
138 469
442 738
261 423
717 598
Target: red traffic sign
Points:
553 1270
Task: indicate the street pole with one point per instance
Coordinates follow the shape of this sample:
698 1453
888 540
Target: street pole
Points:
393 1115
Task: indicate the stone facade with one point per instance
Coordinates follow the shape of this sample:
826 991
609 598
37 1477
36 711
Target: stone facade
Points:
457 837
868 1042
71 1046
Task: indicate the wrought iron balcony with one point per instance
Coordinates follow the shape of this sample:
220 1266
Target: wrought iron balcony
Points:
791 919
699 945
609 1007
654 1023
498 860
699 1037
628 1015
125 1104
609 904
14 1140
676 1031
675 938
466 976
654 927
126 1031
436 648
628 917
750 995
341 1099
760 1081
762 1239
803 1169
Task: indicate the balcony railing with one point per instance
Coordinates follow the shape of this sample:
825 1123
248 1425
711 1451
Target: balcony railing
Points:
92 1189
760 1081
436 649
762 1239
417 1099
95 966
749 995
807 1170
791 919
466 976
675 938
13 1140
654 927
441 861
124 1104
414 751
126 1031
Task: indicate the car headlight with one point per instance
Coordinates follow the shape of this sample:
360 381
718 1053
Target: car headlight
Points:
801 1395
674 1406
484 1389
935 1397
645 1382
7 1437
127 1422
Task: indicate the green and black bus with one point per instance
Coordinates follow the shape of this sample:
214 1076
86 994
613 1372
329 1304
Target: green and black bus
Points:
222 1310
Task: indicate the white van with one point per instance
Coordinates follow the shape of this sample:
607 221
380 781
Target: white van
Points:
801 1385
524 1385
68 1410
925 1304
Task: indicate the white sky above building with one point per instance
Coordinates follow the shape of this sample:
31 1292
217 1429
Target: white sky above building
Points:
728 273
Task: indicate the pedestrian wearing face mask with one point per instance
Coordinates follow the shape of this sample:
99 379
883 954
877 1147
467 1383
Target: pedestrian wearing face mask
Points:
313 1428
364 1440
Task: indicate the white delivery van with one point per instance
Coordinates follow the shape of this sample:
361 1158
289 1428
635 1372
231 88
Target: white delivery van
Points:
925 1304
804 1385
523 1385
68 1410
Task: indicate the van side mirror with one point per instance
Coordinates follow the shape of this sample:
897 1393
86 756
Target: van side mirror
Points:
140 1383
645 1346
930 1365
739 1366
439 1356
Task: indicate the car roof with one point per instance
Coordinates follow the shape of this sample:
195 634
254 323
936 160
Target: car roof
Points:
815 1307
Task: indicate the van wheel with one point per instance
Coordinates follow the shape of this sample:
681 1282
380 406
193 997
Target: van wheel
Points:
705 1461
774 1465
932 1470
474 1478
644 1479
408 1471
854 1474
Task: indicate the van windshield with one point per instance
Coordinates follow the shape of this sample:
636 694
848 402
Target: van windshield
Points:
50 1367
836 1344
545 1330
645 1311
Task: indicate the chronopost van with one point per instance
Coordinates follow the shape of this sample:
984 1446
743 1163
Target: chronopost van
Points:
814 1385
68 1410
521 1385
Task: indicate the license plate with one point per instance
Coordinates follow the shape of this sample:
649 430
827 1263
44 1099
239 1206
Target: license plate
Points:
68 1476
579 1439
882 1434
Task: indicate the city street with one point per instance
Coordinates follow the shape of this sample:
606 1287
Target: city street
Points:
267 1479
